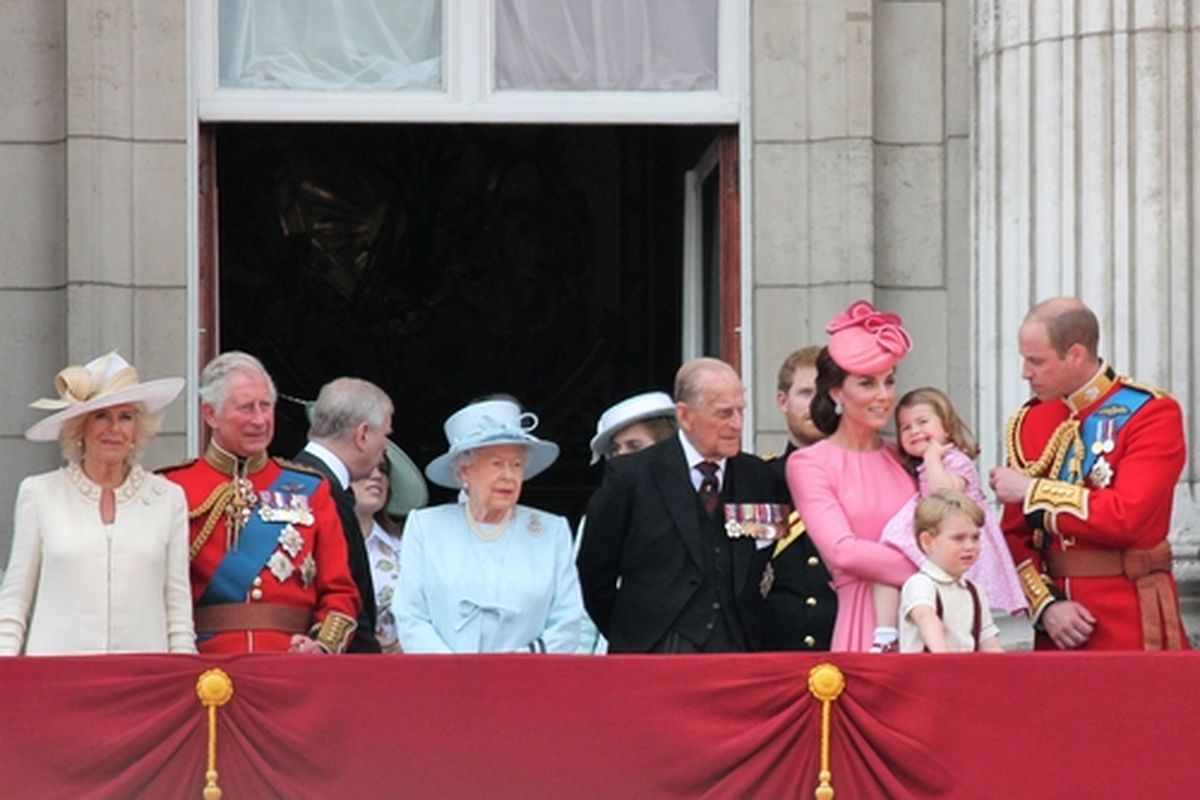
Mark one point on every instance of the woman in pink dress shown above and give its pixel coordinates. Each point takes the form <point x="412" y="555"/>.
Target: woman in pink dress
<point x="849" y="485"/>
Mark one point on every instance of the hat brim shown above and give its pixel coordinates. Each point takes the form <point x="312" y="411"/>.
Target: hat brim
<point x="539" y="456"/>
<point x="602" y="440"/>
<point x="155" y="395"/>
<point x="408" y="489"/>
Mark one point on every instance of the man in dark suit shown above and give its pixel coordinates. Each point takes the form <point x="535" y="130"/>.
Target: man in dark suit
<point x="347" y="436"/>
<point x="659" y="569"/>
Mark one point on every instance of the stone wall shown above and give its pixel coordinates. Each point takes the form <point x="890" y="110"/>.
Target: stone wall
<point x="93" y="213"/>
<point x="861" y="175"/>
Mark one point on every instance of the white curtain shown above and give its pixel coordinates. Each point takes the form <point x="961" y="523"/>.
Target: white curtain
<point x="362" y="45"/>
<point x="663" y="45"/>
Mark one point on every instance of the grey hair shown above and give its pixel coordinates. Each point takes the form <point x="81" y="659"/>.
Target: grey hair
<point x="467" y="457"/>
<point x="344" y="404"/>
<point x="690" y="379"/>
<point x="214" y="380"/>
<point x="70" y="436"/>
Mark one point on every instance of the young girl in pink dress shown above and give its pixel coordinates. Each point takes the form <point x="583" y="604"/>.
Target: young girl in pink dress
<point x="939" y="450"/>
<point x="848" y="485"/>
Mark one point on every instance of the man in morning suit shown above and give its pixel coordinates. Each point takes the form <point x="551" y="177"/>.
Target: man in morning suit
<point x="800" y="607"/>
<point x="269" y="568"/>
<point x="660" y="572"/>
<point x="1093" y="460"/>
<point x="348" y="433"/>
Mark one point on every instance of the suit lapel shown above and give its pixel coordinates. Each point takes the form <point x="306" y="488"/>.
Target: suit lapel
<point x="675" y="485"/>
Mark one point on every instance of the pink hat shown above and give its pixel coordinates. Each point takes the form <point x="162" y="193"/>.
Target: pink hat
<point x="864" y="341"/>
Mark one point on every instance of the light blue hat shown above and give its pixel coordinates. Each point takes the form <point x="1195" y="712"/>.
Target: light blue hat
<point x="487" y="423"/>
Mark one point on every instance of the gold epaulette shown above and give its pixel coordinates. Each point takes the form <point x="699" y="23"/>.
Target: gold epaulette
<point x="769" y="457"/>
<point x="172" y="467"/>
<point x="296" y="466"/>
<point x="334" y="632"/>
<point x="1153" y="391"/>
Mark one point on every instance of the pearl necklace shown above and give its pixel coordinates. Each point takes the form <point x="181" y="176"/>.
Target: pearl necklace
<point x="492" y="532"/>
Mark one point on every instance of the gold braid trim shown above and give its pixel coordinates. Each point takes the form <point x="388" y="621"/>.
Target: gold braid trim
<point x="333" y="634"/>
<point x="1036" y="588"/>
<point x="217" y="501"/>
<point x="1053" y="455"/>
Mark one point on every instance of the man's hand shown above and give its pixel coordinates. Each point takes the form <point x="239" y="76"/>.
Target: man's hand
<point x="1008" y="484"/>
<point x="303" y="644"/>
<point x="1068" y="624"/>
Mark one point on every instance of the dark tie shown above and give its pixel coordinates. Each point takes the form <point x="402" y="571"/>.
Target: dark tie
<point x="710" y="492"/>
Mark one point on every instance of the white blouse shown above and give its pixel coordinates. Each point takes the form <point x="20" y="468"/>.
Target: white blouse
<point x="75" y="585"/>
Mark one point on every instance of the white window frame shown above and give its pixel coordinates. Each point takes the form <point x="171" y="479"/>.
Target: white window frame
<point x="468" y="78"/>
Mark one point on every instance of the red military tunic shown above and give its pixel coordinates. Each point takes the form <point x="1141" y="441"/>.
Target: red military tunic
<point x="312" y="575"/>
<point x="1120" y="508"/>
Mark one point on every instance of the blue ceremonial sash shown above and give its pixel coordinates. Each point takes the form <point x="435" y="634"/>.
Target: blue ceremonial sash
<point x="1118" y="409"/>
<point x="258" y="539"/>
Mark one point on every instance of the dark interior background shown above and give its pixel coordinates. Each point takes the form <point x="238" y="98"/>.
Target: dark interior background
<point x="446" y="262"/>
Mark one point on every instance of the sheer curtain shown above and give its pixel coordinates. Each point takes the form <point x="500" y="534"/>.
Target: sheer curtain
<point x="663" y="45"/>
<point x="363" y="45"/>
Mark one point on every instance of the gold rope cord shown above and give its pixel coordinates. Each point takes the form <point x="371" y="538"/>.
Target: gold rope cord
<point x="217" y="501"/>
<point x="214" y="688"/>
<point x="1049" y="463"/>
<point x="826" y="683"/>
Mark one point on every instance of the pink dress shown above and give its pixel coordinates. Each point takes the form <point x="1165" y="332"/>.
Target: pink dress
<point x="845" y="497"/>
<point x="994" y="570"/>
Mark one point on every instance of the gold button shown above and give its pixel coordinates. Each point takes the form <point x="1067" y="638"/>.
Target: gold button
<point x="256" y="594"/>
<point x="811" y="602"/>
<point x="813" y="561"/>
<point x="809" y="641"/>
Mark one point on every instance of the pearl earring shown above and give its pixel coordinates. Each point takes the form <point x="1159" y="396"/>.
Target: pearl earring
<point x="837" y="407"/>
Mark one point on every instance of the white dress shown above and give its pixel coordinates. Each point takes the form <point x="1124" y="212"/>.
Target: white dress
<point x="75" y="585"/>
<point x="459" y="594"/>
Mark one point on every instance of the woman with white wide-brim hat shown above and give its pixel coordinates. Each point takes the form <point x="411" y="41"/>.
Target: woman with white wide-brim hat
<point x="488" y="575"/>
<point x="99" y="560"/>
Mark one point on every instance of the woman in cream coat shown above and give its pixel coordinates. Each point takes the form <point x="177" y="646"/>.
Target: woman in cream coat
<point x="99" y="560"/>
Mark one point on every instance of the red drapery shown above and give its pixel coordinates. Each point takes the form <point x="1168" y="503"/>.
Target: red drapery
<point x="981" y="726"/>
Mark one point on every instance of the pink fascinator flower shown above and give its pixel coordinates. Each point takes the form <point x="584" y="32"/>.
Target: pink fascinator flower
<point x="864" y="341"/>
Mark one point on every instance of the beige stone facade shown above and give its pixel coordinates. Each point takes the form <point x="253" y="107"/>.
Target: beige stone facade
<point x="953" y="161"/>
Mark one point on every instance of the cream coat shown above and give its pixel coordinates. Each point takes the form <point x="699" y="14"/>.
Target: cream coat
<point x="75" y="585"/>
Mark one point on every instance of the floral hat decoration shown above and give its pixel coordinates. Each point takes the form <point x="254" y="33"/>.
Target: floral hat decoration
<point x="864" y="341"/>
<point x="105" y="381"/>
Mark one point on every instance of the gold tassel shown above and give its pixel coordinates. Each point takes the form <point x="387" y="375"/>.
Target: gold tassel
<point x="214" y="688"/>
<point x="826" y="683"/>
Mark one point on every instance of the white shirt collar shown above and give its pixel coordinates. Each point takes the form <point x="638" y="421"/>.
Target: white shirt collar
<point x="693" y="457"/>
<point x="330" y="459"/>
<point x="938" y="574"/>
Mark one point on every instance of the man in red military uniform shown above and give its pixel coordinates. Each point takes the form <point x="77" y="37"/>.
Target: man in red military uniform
<point x="269" y="565"/>
<point x="1092" y="464"/>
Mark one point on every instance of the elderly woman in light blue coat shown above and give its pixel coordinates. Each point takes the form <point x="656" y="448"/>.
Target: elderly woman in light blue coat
<point x="488" y="575"/>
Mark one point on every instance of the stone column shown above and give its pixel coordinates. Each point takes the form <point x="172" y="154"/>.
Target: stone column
<point x="32" y="232"/>
<point x="1087" y="183"/>
<point x="126" y="180"/>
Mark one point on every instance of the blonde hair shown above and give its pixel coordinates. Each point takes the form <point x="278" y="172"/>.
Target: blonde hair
<point x="960" y="435"/>
<point x="933" y="510"/>
<point x="70" y="437"/>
